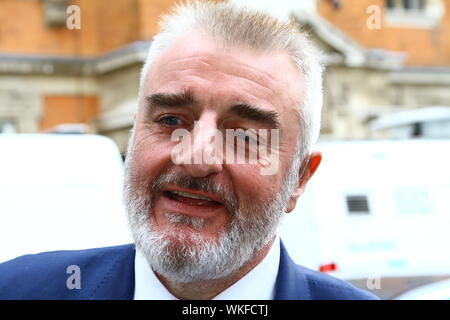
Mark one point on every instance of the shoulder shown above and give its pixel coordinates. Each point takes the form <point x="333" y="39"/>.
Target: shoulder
<point x="300" y="283"/>
<point x="323" y="287"/>
<point x="44" y="275"/>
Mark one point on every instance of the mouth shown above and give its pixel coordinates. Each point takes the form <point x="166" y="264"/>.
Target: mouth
<point x="192" y="198"/>
<point x="190" y="202"/>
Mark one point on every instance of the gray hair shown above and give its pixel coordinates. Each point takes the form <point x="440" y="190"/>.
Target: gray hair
<point x="243" y="27"/>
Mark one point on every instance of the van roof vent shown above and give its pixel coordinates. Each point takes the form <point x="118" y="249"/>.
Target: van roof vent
<point x="357" y="204"/>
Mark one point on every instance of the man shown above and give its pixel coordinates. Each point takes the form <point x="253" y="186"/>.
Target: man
<point x="204" y="220"/>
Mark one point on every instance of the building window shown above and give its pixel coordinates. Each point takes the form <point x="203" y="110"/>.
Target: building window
<point x="417" y="5"/>
<point x="413" y="13"/>
<point x="55" y="13"/>
<point x="405" y="5"/>
<point x="390" y="4"/>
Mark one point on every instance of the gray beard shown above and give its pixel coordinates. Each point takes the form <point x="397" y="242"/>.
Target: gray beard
<point x="188" y="257"/>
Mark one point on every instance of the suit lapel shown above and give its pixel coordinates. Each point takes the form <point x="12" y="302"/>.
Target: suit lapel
<point x="117" y="278"/>
<point x="117" y="281"/>
<point x="291" y="282"/>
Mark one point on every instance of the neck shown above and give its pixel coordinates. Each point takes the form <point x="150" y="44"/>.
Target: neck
<point x="208" y="289"/>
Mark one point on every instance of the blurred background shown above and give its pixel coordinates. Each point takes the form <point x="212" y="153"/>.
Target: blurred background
<point x="72" y="66"/>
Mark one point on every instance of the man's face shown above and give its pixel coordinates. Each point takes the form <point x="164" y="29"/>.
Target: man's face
<point x="197" y="204"/>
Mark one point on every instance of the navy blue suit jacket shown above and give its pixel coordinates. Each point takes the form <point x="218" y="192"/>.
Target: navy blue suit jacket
<point x="108" y="273"/>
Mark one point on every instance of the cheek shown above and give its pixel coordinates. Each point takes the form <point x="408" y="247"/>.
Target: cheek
<point x="251" y="186"/>
<point x="150" y="156"/>
<point x="255" y="188"/>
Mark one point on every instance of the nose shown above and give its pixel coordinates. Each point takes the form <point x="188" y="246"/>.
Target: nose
<point x="205" y="154"/>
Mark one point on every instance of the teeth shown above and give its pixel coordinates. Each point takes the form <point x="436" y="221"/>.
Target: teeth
<point x="188" y="195"/>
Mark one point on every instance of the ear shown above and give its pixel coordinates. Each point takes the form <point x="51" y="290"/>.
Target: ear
<point x="307" y="170"/>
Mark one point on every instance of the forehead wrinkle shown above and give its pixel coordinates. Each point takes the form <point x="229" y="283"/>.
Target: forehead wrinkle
<point x="251" y="93"/>
<point x="261" y="79"/>
<point x="195" y="76"/>
<point x="241" y="94"/>
<point x="278" y="92"/>
<point x="207" y="60"/>
<point x="253" y="75"/>
<point x="194" y="58"/>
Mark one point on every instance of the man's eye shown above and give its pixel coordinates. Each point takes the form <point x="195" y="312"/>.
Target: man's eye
<point x="247" y="137"/>
<point x="170" y="121"/>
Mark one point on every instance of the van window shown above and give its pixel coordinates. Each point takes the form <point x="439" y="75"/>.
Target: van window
<point x="413" y="200"/>
<point x="357" y="204"/>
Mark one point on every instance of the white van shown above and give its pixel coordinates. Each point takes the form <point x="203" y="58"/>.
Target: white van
<point x="59" y="191"/>
<point x="439" y="290"/>
<point x="374" y="211"/>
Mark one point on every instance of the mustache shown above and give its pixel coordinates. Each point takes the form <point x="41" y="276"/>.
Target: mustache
<point x="205" y="184"/>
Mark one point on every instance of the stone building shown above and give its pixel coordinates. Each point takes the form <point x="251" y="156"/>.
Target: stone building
<point x="61" y="63"/>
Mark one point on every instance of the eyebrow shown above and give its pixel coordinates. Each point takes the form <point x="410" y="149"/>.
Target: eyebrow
<point x="253" y="113"/>
<point x="171" y="99"/>
<point x="242" y="110"/>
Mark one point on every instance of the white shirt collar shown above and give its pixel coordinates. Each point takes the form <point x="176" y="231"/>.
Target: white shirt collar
<point x="258" y="284"/>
